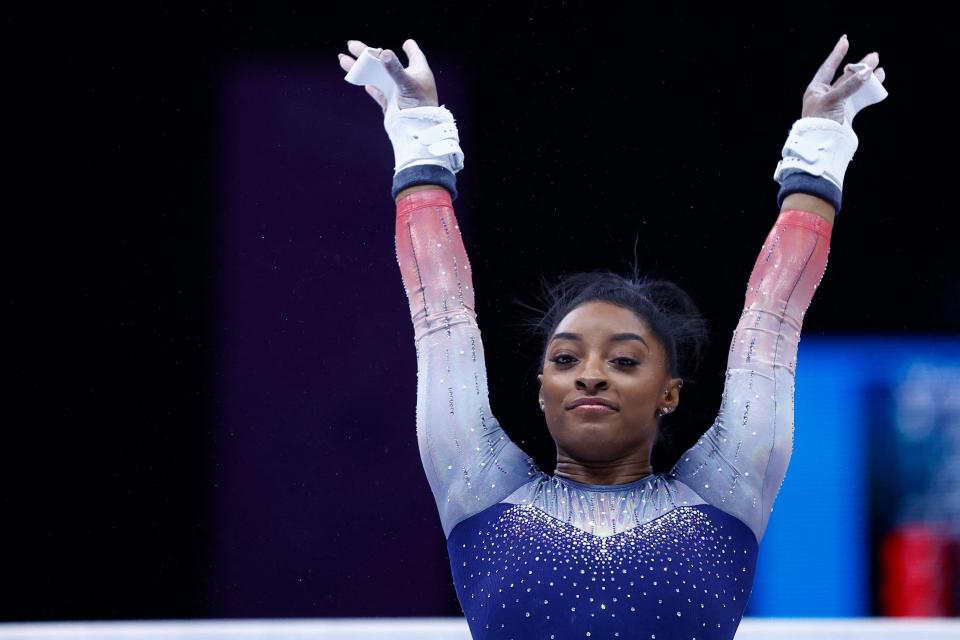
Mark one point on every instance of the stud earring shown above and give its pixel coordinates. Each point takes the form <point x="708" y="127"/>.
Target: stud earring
<point x="541" y="406"/>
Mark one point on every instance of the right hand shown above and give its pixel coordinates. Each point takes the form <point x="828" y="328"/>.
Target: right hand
<point x="415" y="84"/>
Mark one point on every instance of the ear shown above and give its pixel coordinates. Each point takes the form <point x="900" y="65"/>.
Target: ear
<point x="672" y="394"/>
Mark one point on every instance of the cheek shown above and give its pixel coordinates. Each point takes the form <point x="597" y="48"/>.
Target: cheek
<point x="554" y="387"/>
<point x="640" y="401"/>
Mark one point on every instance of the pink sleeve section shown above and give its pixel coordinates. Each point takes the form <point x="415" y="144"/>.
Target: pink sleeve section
<point x="433" y="261"/>
<point x="740" y="462"/>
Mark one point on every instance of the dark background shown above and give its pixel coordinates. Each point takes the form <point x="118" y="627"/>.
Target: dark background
<point x="127" y="492"/>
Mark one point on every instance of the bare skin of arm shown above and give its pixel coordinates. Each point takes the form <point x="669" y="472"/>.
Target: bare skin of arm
<point x="421" y="187"/>
<point x="801" y="201"/>
<point x="806" y="202"/>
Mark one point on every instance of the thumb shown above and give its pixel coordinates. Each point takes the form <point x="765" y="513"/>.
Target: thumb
<point x="394" y="68"/>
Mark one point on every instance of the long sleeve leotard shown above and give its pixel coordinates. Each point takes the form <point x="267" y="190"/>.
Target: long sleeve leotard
<point x="537" y="556"/>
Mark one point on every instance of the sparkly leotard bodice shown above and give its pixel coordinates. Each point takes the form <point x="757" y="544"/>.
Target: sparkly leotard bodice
<point x="667" y="556"/>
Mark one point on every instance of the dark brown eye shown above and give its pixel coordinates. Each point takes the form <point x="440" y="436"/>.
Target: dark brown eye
<point x="556" y="359"/>
<point x="628" y="362"/>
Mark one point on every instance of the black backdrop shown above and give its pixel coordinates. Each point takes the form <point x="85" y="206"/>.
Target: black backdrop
<point x="586" y="126"/>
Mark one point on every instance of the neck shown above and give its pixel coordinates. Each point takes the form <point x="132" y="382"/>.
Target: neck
<point x="619" y="471"/>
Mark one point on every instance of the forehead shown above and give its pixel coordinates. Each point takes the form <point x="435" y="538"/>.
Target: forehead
<point x="602" y="318"/>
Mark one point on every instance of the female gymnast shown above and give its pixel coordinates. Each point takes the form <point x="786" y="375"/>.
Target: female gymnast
<point x="605" y="547"/>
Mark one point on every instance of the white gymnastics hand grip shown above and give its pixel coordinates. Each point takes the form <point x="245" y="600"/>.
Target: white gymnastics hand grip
<point x="369" y="69"/>
<point x="871" y="92"/>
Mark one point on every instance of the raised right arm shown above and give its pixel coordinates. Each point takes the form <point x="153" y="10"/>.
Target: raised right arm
<point x="469" y="461"/>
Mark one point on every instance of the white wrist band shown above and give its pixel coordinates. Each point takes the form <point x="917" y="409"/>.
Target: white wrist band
<point x="820" y="147"/>
<point x="423" y="135"/>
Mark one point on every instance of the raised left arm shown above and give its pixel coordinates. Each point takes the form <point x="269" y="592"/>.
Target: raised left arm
<point x="740" y="462"/>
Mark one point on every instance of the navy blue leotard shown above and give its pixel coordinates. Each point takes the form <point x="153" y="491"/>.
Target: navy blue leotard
<point x="537" y="556"/>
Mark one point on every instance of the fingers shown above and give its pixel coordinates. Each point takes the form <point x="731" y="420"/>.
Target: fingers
<point x="880" y="73"/>
<point x="414" y="54"/>
<point x="828" y="69"/>
<point x="869" y="61"/>
<point x="394" y="68"/>
<point x="856" y="75"/>
<point x="355" y="47"/>
<point x="848" y="85"/>
<point x="389" y="58"/>
<point x="346" y="63"/>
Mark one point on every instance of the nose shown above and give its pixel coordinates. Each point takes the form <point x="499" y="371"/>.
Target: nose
<point x="591" y="377"/>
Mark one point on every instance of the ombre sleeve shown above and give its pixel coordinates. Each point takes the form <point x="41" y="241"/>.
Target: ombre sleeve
<point x="740" y="462"/>
<point x="469" y="461"/>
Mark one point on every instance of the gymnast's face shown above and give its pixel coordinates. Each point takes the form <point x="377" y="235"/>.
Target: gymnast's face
<point x="602" y="350"/>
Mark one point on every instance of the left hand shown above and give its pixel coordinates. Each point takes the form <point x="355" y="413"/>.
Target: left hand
<point x="825" y="98"/>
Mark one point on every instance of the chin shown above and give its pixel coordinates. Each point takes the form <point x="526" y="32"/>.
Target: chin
<point x="591" y="436"/>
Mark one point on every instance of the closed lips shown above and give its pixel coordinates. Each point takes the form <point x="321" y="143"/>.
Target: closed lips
<point x="591" y="400"/>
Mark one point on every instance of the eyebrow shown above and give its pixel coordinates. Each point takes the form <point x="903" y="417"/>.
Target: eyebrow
<point x="617" y="337"/>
